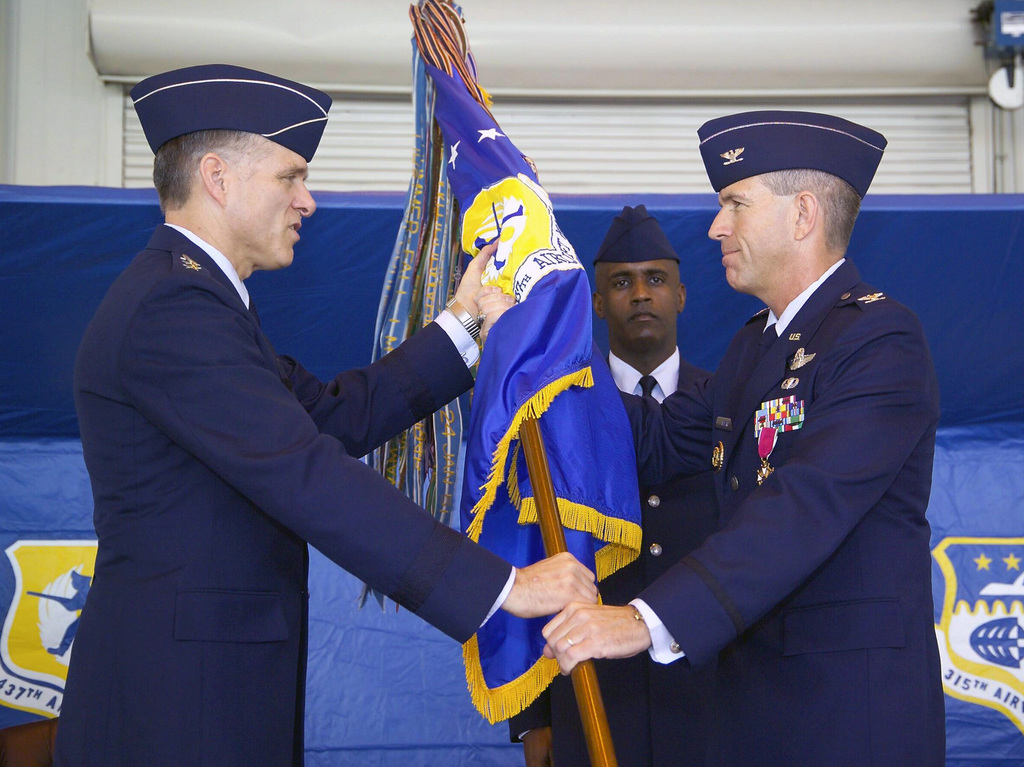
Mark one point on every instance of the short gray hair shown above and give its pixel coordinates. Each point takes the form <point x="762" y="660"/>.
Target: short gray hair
<point x="174" y="169"/>
<point x="840" y="203"/>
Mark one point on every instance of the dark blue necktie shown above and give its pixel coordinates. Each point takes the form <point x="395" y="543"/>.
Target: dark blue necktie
<point x="768" y="337"/>
<point x="647" y="384"/>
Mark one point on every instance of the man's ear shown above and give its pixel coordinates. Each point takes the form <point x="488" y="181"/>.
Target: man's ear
<point x="682" y="298"/>
<point x="213" y="172"/>
<point x="808" y="215"/>
<point x="598" y="305"/>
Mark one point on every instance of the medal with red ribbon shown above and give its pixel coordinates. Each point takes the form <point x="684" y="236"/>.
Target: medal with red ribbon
<point x="774" y="416"/>
<point x="765" y="444"/>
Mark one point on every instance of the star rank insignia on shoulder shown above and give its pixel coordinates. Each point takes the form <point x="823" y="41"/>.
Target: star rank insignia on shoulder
<point x="188" y="263"/>
<point x="872" y="297"/>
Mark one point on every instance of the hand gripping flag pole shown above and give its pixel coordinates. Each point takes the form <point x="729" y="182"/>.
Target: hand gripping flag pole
<point x="538" y="373"/>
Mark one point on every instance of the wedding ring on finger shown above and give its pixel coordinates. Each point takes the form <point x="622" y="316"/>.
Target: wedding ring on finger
<point x="569" y="640"/>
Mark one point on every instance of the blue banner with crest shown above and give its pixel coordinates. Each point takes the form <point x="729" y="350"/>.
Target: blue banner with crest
<point x="538" y="363"/>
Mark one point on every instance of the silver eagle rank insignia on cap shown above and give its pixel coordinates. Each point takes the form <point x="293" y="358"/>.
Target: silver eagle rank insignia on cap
<point x="733" y="155"/>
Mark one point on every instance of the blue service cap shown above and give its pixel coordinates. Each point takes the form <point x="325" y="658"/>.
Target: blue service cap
<point x="751" y="143"/>
<point x="635" y="236"/>
<point x="226" y="97"/>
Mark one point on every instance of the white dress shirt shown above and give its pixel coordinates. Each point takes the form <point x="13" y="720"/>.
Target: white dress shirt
<point x="782" y="321"/>
<point x="627" y="378"/>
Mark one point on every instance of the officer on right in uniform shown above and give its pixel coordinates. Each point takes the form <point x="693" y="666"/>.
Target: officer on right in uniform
<point x="815" y="594"/>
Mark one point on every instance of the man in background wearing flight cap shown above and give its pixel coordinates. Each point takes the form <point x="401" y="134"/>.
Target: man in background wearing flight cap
<point x="651" y="707"/>
<point x="214" y="461"/>
<point x="815" y="595"/>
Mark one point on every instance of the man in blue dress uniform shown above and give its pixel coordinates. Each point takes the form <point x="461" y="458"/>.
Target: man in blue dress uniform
<point x="651" y="707"/>
<point x="214" y="461"/>
<point x="815" y="594"/>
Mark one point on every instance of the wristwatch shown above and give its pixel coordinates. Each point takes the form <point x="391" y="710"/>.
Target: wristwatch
<point x="467" y="320"/>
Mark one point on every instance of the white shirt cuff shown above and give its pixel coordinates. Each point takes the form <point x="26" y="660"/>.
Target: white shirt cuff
<point x="502" y="596"/>
<point x="663" y="649"/>
<point x="464" y="343"/>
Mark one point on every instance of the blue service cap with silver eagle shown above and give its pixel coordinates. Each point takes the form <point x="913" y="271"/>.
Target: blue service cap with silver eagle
<point x="751" y="143"/>
<point x="635" y="235"/>
<point x="226" y="97"/>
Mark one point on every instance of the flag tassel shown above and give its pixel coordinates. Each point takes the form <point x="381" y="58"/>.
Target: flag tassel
<point x="584" y="676"/>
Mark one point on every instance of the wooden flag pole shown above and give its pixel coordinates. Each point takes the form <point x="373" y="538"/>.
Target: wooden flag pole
<point x="584" y="676"/>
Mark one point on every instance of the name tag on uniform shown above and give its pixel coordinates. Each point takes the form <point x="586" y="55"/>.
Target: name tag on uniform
<point x="723" y="423"/>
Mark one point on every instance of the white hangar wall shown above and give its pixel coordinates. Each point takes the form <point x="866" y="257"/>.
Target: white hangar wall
<point x="605" y="96"/>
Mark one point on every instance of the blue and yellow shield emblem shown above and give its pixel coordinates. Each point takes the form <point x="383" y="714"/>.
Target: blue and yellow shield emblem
<point x="51" y="582"/>
<point x="981" y="631"/>
<point x="516" y="212"/>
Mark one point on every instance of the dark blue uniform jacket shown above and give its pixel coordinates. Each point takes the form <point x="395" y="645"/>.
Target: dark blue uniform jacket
<point x="815" y="596"/>
<point x="213" y="462"/>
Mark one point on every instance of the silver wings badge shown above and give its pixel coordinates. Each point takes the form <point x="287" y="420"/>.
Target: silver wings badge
<point x="800" y="359"/>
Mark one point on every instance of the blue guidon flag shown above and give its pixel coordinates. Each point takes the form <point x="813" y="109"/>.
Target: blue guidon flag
<point x="537" y="364"/>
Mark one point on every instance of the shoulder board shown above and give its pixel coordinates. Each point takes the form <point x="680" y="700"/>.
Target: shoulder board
<point x="861" y="297"/>
<point x="759" y="315"/>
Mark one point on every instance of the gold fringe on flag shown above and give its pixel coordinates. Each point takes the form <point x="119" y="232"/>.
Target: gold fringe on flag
<point x="510" y="699"/>
<point x="534" y="407"/>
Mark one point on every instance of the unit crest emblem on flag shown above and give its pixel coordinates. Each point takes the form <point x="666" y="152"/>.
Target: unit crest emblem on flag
<point x="981" y="630"/>
<point x="517" y="212"/>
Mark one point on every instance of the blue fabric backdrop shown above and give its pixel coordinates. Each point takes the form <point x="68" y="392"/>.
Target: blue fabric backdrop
<point x="384" y="688"/>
